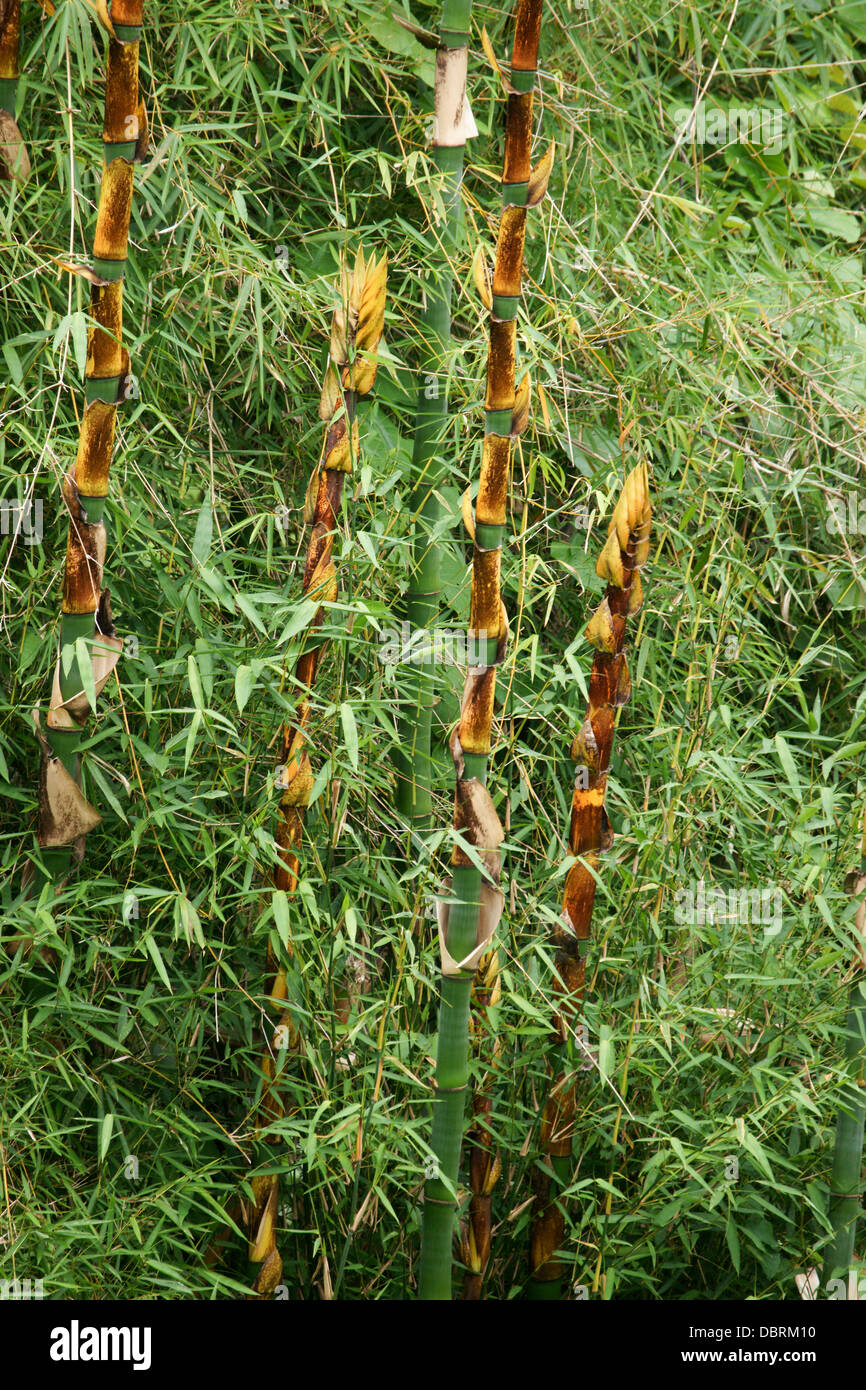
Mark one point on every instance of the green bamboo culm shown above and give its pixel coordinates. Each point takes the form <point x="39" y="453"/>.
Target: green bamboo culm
<point x="453" y="125"/>
<point x="89" y="645"/>
<point x="846" y="1179"/>
<point x="14" y="160"/>
<point x="468" y="916"/>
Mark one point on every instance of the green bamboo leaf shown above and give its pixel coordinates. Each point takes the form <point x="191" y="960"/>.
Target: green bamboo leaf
<point x="244" y="683"/>
<point x="606" y="1051"/>
<point x="249" y="611"/>
<point x="203" y="532"/>
<point x="105" y="1134"/>
<point x="105" y="787"/>
<point x="195" y="685"/>
<point x="307" y="894"/>
<point x="351" y="919"/>
<point x="195" y="725"/>
<point x="369" y="547"/>
<point x="320" y="781"/>
<point x="350" y="733"/>
<point x="385" y="172"/>
<point x="13" y="362"/>
<point x="750" y="1143"/>
<point x="303" y="614"/>
<point x="85" y="669"/>
<point x="280" y="906"/>
<point x="187" y="919"/>
<point x="218" y="587"/>
<point x="789" y="767"/>
<point x="529" y="1009"/>
<point x="156" y="956"/>
<point x="830" y="220"/>
<point x="733" y="1241"/>
<point x="78" y="331"/>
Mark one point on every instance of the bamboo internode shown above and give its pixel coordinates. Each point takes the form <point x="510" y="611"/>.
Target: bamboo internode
<point x="356" y="331"/>
<point x="625" y="551"/>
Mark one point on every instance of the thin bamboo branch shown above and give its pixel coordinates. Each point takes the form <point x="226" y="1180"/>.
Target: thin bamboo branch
<point x="625" y="552"/>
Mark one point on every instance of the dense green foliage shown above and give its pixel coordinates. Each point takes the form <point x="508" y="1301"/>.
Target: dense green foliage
<point x="703" y="303"/>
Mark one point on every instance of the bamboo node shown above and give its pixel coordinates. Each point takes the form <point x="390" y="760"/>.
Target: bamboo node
<point x="82" y="269"/>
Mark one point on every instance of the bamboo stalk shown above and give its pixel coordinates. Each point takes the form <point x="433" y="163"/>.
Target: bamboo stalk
<point x="453" y="125"/>
<point x="355" y="334"/>
<point x="14" y="159"/>
<point x="89" y="645"/>
<point x="625" y="551"/>
<point x="846" y="1182"/>
<point x="522" y="187"/>
<point x="467" y="921"/>
<point x="483" y="1162"/>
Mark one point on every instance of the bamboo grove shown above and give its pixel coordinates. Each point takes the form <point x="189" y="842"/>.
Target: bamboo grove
<point x="499" y="1166"/>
